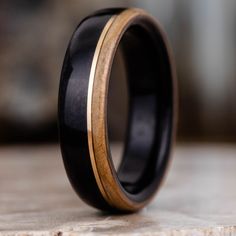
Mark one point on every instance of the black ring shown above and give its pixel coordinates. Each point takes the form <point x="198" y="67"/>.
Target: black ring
<point x="150" y="131"/>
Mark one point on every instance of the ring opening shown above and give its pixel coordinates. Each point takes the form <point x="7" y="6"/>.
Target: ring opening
<point x="150" y="102"/>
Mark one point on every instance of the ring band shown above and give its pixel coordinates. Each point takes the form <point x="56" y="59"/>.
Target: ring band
<point x="82" y="109"/>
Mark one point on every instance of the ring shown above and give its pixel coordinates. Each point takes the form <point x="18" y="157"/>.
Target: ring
<point x="82" y="109"/>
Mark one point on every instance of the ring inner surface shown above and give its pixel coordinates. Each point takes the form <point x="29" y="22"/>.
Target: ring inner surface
<point x="149" y="128"/>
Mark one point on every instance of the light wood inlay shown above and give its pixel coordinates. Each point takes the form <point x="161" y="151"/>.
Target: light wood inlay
<point x="97" y="110"/>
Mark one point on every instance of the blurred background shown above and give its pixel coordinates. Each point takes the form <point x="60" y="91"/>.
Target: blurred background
<point x="34" y="36"/>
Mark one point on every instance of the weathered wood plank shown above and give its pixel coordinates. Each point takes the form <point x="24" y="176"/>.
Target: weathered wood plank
<point x="198" y="197"/>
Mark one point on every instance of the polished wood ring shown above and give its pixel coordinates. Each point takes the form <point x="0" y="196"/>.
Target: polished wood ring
<point x="82" y="107"/>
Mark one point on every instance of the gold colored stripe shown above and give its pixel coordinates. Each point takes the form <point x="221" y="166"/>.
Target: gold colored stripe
<point x="89" y="106"/>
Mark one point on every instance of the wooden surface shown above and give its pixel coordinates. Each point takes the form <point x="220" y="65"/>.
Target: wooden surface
<point x="198" y="197"/>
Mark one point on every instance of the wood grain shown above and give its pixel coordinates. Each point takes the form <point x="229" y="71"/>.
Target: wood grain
<point x="99" y="149"/>
<point x="198" y="197"/>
